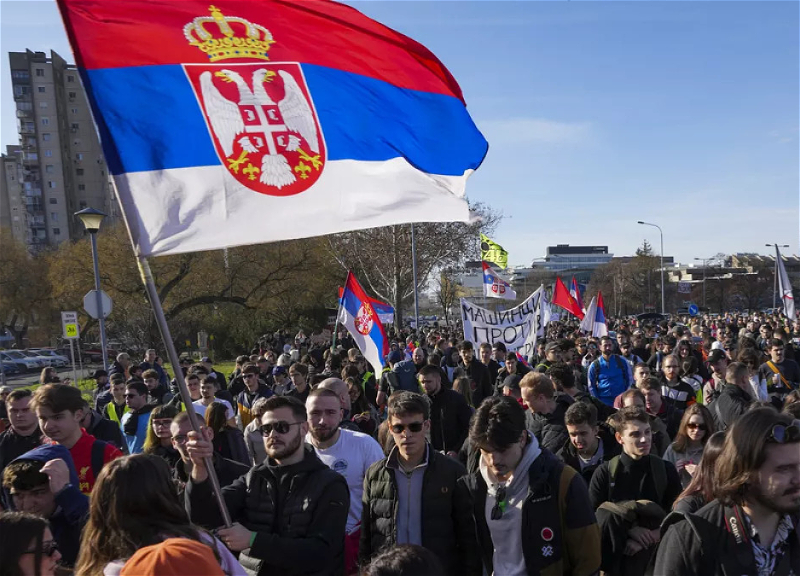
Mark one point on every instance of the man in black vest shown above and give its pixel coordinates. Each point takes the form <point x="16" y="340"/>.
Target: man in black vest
<point x="289" y="513"/>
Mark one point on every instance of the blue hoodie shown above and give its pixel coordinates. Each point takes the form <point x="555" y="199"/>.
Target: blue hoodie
<point x="72" y="507"/>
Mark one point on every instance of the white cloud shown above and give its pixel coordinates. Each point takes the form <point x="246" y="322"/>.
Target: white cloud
<point x="535" y="130"/>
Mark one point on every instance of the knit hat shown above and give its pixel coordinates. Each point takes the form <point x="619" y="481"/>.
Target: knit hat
<point x="173" y="557"/>
<point x="396" y="356"/>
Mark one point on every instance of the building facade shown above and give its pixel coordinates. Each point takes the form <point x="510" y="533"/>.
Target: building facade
<point x="60" y="164"/>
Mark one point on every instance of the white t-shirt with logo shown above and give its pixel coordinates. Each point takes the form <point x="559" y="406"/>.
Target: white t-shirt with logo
<point x="201" y="408"/>
<point x="351" y="456"/>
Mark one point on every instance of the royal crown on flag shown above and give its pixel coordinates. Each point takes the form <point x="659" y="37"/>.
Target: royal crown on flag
<point x="234" y="37"/>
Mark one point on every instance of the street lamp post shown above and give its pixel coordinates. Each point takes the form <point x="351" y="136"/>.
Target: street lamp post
<point x="775" y="284"/>
<point x="705" y="263"/>
<point x="91" y="220"/>
<point x="661" y="233"/>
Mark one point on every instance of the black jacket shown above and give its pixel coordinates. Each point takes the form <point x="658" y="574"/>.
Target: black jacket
<point x="574" y="536"/>
<point x="549" y="429"/>
<point x="611" y="448"/>
<point x="450" y="416"/>
<point x="702" y="544"/>
<point x="604" y="411"/>
<point x="299" y="513"/>
<point x="12" y="445"/>
<point x="107" y="431"/>
<point x="634" y="481"/>
<point x="480" y="383"/>
<point x="731" y="403"/>
<point x="447" y="528"/>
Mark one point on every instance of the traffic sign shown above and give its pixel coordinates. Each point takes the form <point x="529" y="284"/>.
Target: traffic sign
<point x="69" y="325"/>
<point x="90" y="303"/>
<point x="693" y="310"/>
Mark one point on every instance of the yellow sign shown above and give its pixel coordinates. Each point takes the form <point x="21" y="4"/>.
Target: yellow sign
<point x="69" y="325"/>
<point x="71" y="330"/>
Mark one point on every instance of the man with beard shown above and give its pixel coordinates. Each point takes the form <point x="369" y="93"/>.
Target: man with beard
<point x="289" y="513"/>
<point x="344" y="451"/>
<point x="751" y="527"/>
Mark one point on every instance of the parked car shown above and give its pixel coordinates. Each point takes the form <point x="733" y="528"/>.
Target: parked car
<point x="10" y="368"/>
<point x="94" y="352"/>
<point x="23" y="362"/>
<point x="56" y="360"/>
<point x="45" y="360"/>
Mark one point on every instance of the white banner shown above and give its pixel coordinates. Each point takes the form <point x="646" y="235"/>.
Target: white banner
<point x="516" y="327"/>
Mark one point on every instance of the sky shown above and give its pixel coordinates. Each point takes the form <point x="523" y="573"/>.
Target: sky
<point x="598" y="114"/>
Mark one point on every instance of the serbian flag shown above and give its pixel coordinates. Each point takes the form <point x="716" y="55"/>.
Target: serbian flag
<point x="575" y="292"/>
<point x="357" y="314"/>
<point x="600" y="324"/>
<point x="385" y="311"/>
<point x="562" y="297"/>
<point x="494" y="286"/>
<point x="784" y="286"/>
<point x="231" y="122"/>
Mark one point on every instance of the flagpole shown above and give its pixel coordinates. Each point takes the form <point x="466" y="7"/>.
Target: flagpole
<point x="414" y="268"/>
<point x="338" y="311"/>
<point x="775" y="271"/>
<point x="172" y="354"/>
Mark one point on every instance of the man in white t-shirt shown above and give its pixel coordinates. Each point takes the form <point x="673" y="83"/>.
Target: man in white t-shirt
<point x="344" y="451"/>
<point x="209" y="387"/>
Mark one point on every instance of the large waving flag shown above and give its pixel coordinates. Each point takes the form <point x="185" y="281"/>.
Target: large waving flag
<point x="492" y="252"/>
<point x="600" y="323"/>
<point x="228" y="123"/>
<point x="494" y="286"/>
<point x="562" y="297"/>
<point x="575" y="292"/>
<point x="385" y="311"/>
<point x="784" y="286"/>
<point x="357" y="314"/>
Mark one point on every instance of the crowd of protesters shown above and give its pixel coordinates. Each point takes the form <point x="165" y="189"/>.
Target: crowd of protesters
<point x="666" y="447"/>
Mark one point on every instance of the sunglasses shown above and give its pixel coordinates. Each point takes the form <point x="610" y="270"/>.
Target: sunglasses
<point x="413" y="427"/>
<point x="131" y="395"/>
<point x="783" y="434"/>
<point x="48" y="549"/>
<point x="281" y="427"/>
<point x="499" y="503"/>
<point x="694" y="426"/>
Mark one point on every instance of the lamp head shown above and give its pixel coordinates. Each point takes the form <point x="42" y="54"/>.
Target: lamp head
<point x="91" y="219"/>
<point x="639" y="222"/>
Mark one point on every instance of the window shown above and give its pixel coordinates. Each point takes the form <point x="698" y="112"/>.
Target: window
<point x="57" y="231"/>
<point x="79" y="156"/>
<point x="49" y="169"/>
<point x="79" y="171"/>
<point x="72" y="94"/>
<point x="83" y="204"/>
<point x="74" y="110"/>
<point x="40" y="71"/>
<point x="54" y="216"/>
<point x="20" y="74"/>
<point x="53" y="200"/>
<point x="48" y="153"/>
<point x="74" y="126"/>
<point x="21" y="90"/>
<point x="45" y="136"/>
<point x="24" y="106"/>
<point x="42" y="104"/>
<point x="41" y="89"/>
<point x="51" y="184"/>
<point x="70" y="78"/>
<point x="81" y="187"/>
<point x="45" y="121"/>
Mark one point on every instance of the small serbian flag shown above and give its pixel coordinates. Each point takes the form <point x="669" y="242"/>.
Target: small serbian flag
<point x="358" y="315"/>
<point x="575" y="292"/>
<point x="494" y="286"/>
<point x="232" y="122"/>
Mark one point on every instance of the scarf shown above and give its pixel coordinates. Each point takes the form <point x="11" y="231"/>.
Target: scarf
<point x="131" y="425"/>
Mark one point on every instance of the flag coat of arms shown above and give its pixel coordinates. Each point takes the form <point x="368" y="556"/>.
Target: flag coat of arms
<point x="358" y="315"/>
<point x="385" y="311"/>
<point x="240" y="122"/>
<point x="494" y="286"/>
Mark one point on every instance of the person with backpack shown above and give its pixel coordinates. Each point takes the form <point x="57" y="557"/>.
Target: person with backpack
<point x="402" y="375"/>
<point x="59" y="408"/>
<point x="752" y="525"/>
<point x="610" y="375"/>
<point x="532" y="513"/>
<point x="632" y="494"/>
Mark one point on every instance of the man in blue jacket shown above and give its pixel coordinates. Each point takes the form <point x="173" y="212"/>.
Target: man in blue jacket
<point x="44" y="482"/>
<point x="610" y="375"/>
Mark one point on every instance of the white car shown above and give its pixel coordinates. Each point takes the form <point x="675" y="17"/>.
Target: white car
<point x="24" y="362"/>
<point x="56" y="360"/>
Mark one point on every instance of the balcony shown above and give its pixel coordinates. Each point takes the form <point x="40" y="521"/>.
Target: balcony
<point x="30" y="157"/>
<point x="27" y="129"/>
<point x="24" y="113"/>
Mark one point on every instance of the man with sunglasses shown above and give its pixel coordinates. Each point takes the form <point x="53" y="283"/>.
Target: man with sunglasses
<point x="752" y="525"/>
<point x="531" y="512"/>
<point x="413" y="495"/>
<point x="289" y="513"/>
<point x="136" y="421"/>
<point x="255" y="388"/>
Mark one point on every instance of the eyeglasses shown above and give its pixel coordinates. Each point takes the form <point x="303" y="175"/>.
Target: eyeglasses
<point x="281" y="427"/>
<point x="48" y="549"/>
<point x="499" y="503"/>
<point x="131" y="395"/>
<point x="783" y="434"/>
<point x="413" y="427"/>
<point x="695" y="426"/>
<point x="162" y="422"/>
